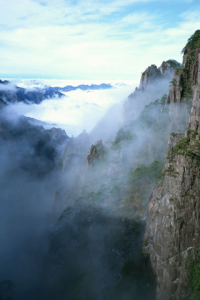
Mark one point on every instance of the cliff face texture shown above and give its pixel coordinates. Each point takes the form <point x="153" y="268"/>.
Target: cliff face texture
<point x="172" y="236"/>
<point x="154" y="83"/>
<point x="153" y="73"/>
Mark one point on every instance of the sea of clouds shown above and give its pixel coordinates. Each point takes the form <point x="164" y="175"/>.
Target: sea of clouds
<point x="79" y="110"/>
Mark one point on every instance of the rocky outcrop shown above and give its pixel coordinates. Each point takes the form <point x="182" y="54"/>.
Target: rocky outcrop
<point x="154" y="83"/>
<point x="96" y="152"/>
<point x="75" y="151"/>
<point x="58" y="136"/>
<point x="173" y="220"/>
<point x="152" y="73"/>
<point x="185" y="77"/>
<point x="149" y="75"/>
<point x="195" y="112"/>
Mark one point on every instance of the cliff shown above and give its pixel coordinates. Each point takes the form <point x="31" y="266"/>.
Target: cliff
<point x="75" y="151"/>
<point x="154" y="83"/>
<point x="97" y="152"/>
<point x="173" y="220"/>
<point x="96" y="221"/>
<point x="97" y="239"/>
<point x="152" y="73"/>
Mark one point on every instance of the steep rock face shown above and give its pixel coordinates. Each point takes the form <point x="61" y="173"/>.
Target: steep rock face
<point x="149" y="75"/>
<point x="173" y="220"/>
<point x="58" y="136"/>
<point x="152" y="73"/>
<point x="184" y="80"/>
<point x="154" y="84"/>
<point x="195" y="112"/>
<point x="96" y="152"/>
<point x="75" y="151"/>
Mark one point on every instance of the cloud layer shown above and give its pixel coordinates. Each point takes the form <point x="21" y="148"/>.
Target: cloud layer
<point x="78" y="111"/>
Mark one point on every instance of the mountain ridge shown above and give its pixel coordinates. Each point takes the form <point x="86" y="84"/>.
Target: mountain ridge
<point x="172" y="228"/>
<point x="12" y="94"/>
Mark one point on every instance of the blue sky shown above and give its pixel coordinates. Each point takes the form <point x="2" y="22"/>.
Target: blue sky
<point x="92" y="39"/>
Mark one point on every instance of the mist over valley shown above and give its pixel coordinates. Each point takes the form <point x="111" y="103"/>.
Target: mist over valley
<point x="99" y="150"/>
<point x="75" y="207"/>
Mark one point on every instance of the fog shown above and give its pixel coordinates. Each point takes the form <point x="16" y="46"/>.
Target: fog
<point x="72" y="222"/>
<point x="8" y="87"/>
<point x="41" y="82"/>
<point x="77" y="111"/>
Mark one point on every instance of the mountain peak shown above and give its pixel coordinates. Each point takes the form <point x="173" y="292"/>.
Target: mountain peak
<point x="153" y="72"/>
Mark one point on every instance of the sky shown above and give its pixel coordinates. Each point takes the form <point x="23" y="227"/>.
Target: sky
<point x="92" y="39"/>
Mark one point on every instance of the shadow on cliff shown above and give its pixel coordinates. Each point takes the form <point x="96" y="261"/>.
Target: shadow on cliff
<point x="93" y="255"/>
<point x="28" y="179"/>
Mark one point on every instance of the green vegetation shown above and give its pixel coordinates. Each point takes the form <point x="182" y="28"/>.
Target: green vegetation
<point x="129" y="190"/>
<point x="154" y="123"/>
<point x="181" y="146"/>
<point x="123" y="135"/>
<point x="173" y="63"/>
<point x="188" y="146"/>
<point x="133" y="192"/>
<point x="154" y="170"/>
<point x="173" y="134"/>
<point x="173" y="81"/>
<point x="155" y="117"/>
<point x="193" y="269"/>
<point x="193" y="42"/>
<point x="192" y="133"/>
<point x="146" y="241"/>
<point x="179" y="70"/>
<point x="185" y="73"/>
<point x="151" y="113"/>
<point x="186" y="84"/>
<point x="163" y="99"/>
<point x="140" y="184"/>
<point x="125" y="189"/>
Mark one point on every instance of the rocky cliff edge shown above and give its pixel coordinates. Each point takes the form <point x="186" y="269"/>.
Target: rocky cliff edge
<point x="172" y="236"/>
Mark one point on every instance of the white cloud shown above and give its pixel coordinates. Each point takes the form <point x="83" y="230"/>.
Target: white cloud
<point x="80" y="110"/>
<point x="8" y="87"/>
<point x="80" y="41"/>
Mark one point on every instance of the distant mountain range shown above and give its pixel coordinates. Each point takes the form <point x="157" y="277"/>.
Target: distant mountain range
<point x="11" y="93"/>
<point x="84" y="87"/>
